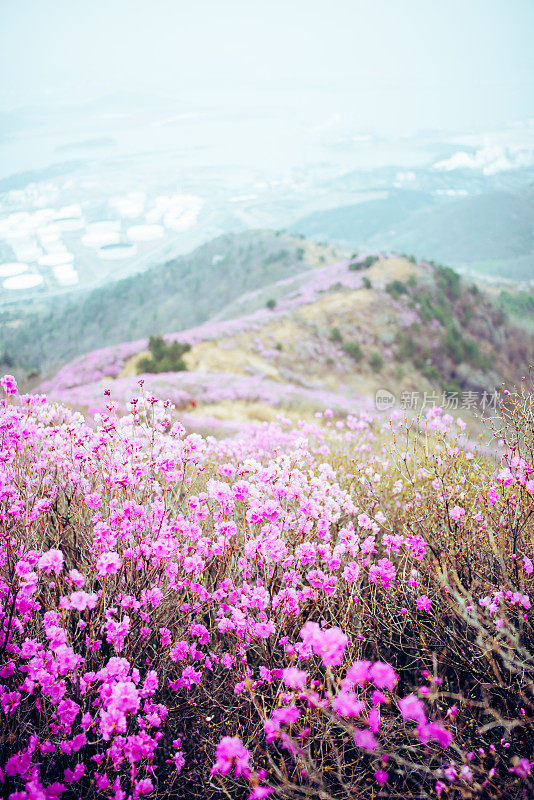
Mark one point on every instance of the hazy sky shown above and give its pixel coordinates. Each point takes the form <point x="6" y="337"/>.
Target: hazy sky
<point x="409" y="64"/>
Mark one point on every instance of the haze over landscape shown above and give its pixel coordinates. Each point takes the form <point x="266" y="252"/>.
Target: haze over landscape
<point x="266" y="453"/>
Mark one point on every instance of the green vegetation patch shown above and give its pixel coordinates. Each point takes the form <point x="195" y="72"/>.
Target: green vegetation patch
<point x="353" y="350"/>
<point x="163" y="357"/>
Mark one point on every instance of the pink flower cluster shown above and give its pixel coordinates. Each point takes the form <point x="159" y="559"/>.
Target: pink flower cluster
<point x="143" y="569"/>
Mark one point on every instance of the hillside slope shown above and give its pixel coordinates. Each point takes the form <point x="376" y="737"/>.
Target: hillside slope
<point x="179" y="294"/>
<point x="335" y="337"/>
<point x="359" y="224"/>
<point x="491" y="233"/>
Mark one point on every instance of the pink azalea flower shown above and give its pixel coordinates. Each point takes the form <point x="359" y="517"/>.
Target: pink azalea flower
<point x="457" y="513"/>
<point x="365" y="739"/>
<point x="108" y="564"/>
<point x="125" y="697"/>
<point x="231" y="752"/>
<point x="423" y="603"/>
<point x="383" y="573"/>
<point x="358" y="674"/>
<point x="294" y="678"/>
<point x="412" y="708"/>
<point x="9" y="385"/>
<point x="333" y="646"/>
<point x="347" y="704"/>
<point x="383" y="675"/>
<point x="51" y="561"/>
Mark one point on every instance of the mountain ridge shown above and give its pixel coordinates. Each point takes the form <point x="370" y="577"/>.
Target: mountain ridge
<point x="342" y="334"/>
<point x="490" y="233"/>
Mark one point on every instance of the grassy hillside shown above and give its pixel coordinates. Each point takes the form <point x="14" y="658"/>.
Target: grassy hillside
<point x="334" y="338"/>
<point x="176" y="295"/>
<point x="491" y="233"/>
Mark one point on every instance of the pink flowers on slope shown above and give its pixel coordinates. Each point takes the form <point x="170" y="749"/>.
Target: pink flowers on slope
<point x="169" y="599"/>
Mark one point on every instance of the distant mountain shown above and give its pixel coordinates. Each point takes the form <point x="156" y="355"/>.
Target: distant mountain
<point x="178" y="294"/>
<point x="358" y="225"/>
<point x="491" y="233"/>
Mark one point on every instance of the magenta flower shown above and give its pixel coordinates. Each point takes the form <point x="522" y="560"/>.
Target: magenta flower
<point x="457" y="513"/>
<point x="347" y="704"/>
<point x="144" y="786"/>
<point x="111" y="722"/>
<point x="383" y="573"/>
<point x="412" y="708"/>
<point x="9" y="384"/>
<point x="108" y="564"/>
<point x="523" y="768"/>
<point x="125" y="697"/>
<point x="82" y="600"/>
<point x="51" y="561"/>
<point x="231" y="752"/>
<point x="260" y="793"/>
<point x="358" y="674"/>
<point x="365" y="739"/>
<point x="333" y="646"/>
<point x="423" y="603"/>
<point x="295" y="678"/>
<point x="383" y="675"/>
<point x="434" y="731"/>
<point x="311" y="634"/>
<point x="287" y="714"/>
<point x="93" y="500"/>
<point x="381" y="776"/>
<point x="67" y="712"/>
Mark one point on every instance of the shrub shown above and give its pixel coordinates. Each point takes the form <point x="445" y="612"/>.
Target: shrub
<point x="467" y="315"/>
<point x="396" y="288"/>
<point x="335" y="335"/>
<point x="449" y="280"/>
<point x="406" y="347"/>
<point x="164" y="357"/>
<point x="432" y="373"/>
<point x="367" y="262"/>
<point x="453" y="344"/>
<point x="276" y="257"/>
<point x="376" y="362"/>
<point x="460" y="349"/>
<point x="353" y="350"/>
<point x="270" y="304"/>
<point x="366" y="282"/>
